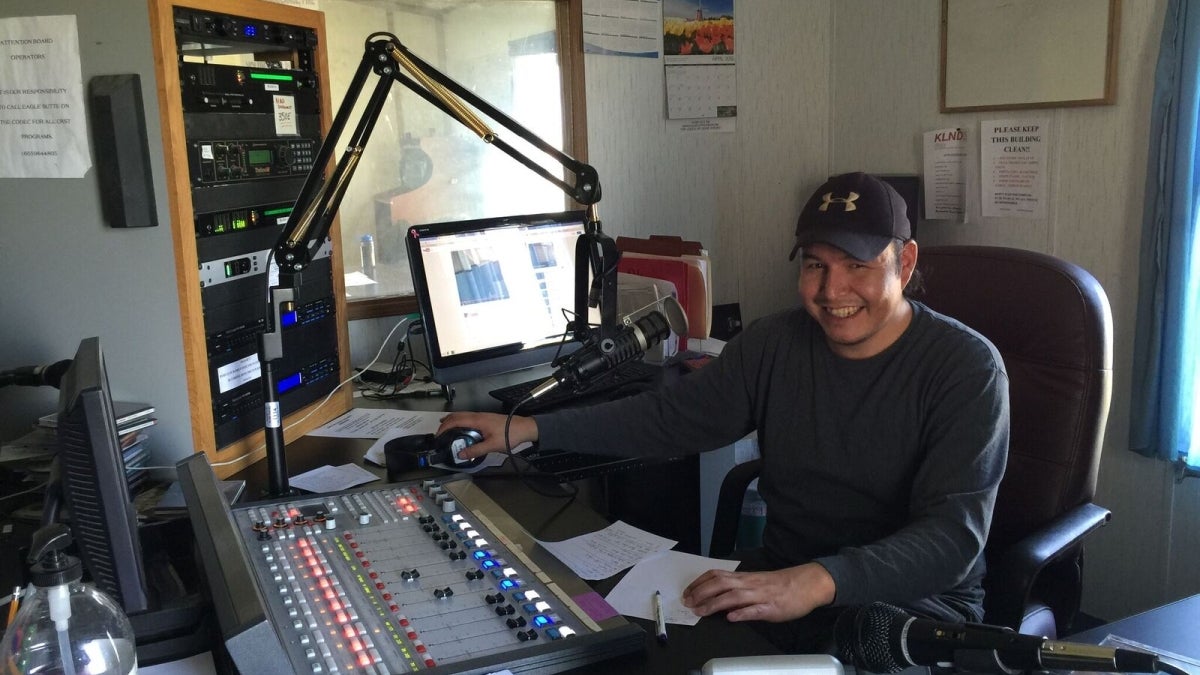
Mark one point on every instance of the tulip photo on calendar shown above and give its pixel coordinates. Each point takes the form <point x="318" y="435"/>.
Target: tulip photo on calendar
<point x="697" y="27"/>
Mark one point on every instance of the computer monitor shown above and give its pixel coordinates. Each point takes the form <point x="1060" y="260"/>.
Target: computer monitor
<point x="493" y="291"/>
<point x="103" y="519"/>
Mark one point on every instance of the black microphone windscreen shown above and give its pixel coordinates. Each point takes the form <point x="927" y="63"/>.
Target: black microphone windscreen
<point x="862" y="637"/>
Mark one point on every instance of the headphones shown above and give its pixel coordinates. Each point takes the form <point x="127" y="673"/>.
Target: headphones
<point x="421" y="451"/>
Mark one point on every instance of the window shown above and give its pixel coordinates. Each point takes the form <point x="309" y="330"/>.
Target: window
<point x="421" y="166"/>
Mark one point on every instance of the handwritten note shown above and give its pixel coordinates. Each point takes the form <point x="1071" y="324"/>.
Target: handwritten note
<point x="601" y="554"/>
<point x="668" y="573"/>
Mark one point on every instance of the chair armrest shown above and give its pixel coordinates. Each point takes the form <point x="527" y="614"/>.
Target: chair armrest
<point x="1012" y="572"/>
<point x="729" y="507"/>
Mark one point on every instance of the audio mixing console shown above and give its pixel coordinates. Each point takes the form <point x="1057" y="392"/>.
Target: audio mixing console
<point x="421" y="576"/>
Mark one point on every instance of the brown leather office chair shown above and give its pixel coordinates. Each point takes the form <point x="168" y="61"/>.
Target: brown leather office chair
<point x="1051" y="321"/>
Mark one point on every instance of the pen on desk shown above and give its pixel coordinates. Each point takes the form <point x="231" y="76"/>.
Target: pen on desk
<point x="660" y="618"/>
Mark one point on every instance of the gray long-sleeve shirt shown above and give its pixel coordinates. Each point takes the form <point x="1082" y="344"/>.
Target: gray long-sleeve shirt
<point x="883" y="470"/>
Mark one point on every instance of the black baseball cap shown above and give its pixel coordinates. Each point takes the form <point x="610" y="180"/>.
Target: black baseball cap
<point x="855" y="212"/>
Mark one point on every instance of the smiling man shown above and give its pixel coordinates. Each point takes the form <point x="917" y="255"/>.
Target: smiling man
<point x="883" y="429"/>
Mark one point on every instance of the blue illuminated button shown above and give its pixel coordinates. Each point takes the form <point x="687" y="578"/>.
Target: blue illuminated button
<point x="541" y="620"/>
<point x="481" y="554"/>
<point x="509" y="584"/>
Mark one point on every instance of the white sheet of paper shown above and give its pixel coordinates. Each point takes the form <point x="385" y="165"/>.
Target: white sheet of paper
<point x="380" y="422"/>
<point x="669" y="573"/>
<point x="603" y="553"/>
<point x="43" y="128"/>
<point x="332" y="478"/>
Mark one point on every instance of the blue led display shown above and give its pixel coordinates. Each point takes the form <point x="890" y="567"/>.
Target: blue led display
<point x="290" y="382"/>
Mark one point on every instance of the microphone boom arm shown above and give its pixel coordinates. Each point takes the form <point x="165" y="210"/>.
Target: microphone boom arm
<point x="317" y="204"/>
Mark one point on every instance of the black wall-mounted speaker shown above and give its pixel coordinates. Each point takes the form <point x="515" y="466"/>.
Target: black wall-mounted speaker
<point x="121" y="150"/>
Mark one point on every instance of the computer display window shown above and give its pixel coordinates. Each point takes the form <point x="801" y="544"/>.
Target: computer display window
<point x="500" y="287"/>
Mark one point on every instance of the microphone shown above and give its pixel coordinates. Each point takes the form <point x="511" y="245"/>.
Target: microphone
<point x="882" y="638"/>
<point x="631" y="342"/>
<point x="36" y="376"/>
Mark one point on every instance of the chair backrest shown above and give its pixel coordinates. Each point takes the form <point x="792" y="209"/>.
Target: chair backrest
<point x="1051" y="322"/>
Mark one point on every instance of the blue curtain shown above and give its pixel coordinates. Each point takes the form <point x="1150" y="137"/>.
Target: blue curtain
<point x="1167" y="341"/>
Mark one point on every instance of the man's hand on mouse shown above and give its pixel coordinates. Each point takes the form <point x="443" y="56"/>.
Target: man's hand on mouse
<point x="491" y="425"/>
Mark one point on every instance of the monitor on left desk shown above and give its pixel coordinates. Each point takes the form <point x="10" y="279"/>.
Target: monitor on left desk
<point x="103" y="518"/>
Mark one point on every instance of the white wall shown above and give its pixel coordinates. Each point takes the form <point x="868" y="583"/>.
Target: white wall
<point x="66" y="275"/>
<point x="737" y="193"/>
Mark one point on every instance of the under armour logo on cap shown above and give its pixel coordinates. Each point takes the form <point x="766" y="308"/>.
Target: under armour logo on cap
<point x="848" y="201"/>
<point x="872" y="215"/>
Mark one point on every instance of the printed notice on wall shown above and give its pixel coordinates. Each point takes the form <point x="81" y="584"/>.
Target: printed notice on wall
<point x="1012" y="157"/>
<point x="700" y="67"/>
<point x="43" y="128"/>
<point x="945" y="183"/>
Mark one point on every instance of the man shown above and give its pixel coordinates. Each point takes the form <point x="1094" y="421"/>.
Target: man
<point x="883" y="428"/>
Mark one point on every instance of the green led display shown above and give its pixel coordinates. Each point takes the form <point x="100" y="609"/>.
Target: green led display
<point x="271" y="76"/>
<point x="258" y="157"/>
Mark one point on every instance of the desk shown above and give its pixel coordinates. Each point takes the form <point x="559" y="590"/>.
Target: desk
<point x="1171" y="628"/>
<point x="544" y="518"/>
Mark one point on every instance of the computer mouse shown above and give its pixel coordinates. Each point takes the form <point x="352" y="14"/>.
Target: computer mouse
<point x="457" y="439"/>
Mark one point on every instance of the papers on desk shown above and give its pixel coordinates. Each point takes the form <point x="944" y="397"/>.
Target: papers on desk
<point x="384" y="424"/>
<point x="603" y="553"/>
<point x="332" y="478"/>
<point x="669" y="573"/>
<point x="379" y="422"/>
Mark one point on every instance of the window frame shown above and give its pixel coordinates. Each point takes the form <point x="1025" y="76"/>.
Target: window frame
<point x="569" y="34"/>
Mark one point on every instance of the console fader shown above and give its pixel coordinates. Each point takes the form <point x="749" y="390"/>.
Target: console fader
<point x="409" y="577"/>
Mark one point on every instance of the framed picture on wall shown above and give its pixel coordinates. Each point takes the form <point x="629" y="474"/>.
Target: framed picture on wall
<point x="1028" y="54"/>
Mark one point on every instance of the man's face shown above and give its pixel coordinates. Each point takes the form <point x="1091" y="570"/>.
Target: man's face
<point x="859" y="304"/>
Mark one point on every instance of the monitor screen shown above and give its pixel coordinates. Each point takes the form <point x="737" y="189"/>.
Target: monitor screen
<point x="492" y="292"/>
<point x="95" y="488"/>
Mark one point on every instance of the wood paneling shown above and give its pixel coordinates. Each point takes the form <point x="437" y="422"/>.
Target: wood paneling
<point x="238" y="454"/>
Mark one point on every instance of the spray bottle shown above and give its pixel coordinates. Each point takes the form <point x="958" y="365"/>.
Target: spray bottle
<point x="65" y="626"/>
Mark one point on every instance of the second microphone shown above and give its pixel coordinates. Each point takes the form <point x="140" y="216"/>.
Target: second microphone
<point x="631" y="342"/>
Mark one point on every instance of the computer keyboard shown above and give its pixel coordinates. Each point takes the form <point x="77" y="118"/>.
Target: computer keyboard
<point x="570" y="466"/>
<point x="626" y="375"/>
